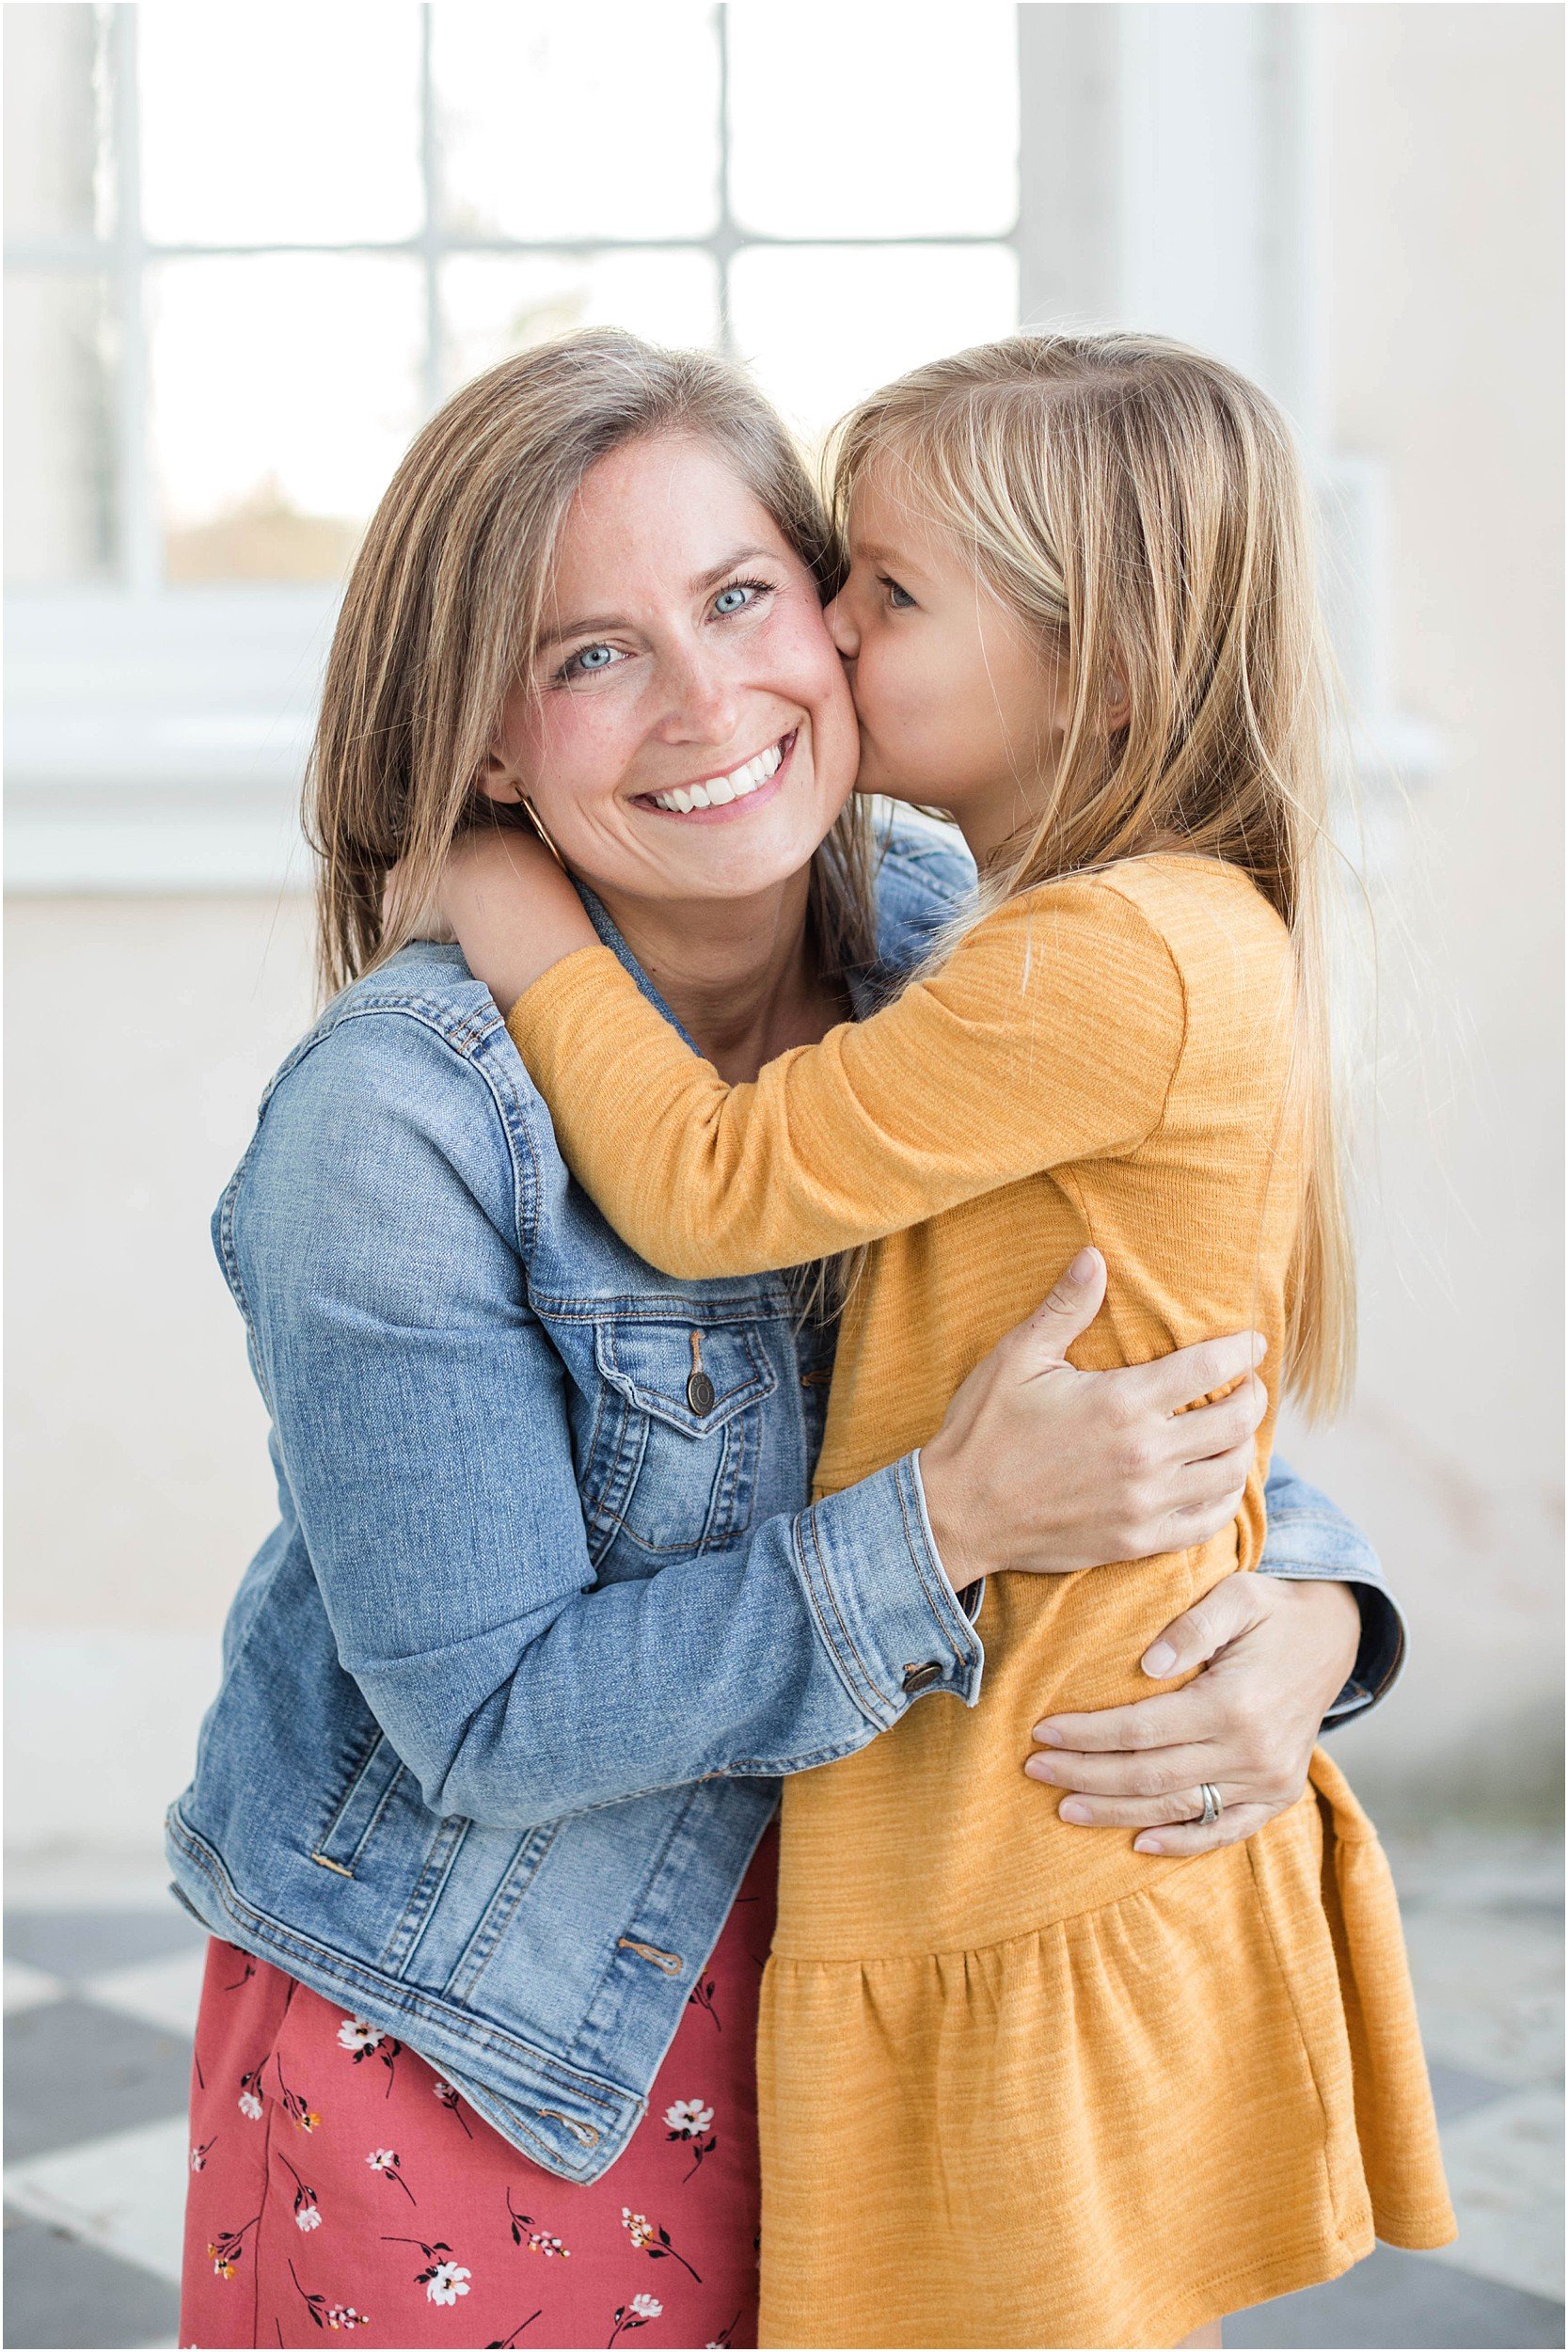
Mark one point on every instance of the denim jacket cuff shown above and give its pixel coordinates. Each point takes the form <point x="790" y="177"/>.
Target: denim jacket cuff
<point x="891" y="1621"/>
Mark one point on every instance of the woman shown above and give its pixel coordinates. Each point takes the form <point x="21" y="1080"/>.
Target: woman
<point x="480" y="1784"/>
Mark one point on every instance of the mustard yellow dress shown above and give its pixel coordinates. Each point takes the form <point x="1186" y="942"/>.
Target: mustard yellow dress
<point x="1020" y="2084"/>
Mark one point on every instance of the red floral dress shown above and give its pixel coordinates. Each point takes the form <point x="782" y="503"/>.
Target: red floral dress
<point x="338" y="2185"/>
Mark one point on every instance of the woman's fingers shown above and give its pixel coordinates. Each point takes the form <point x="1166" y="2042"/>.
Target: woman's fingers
<point x="1210" y="1430"/>
<point x="1170" y="1719"/>
<point x="1235" y="1822"/>
<point x="1191" y="1373"/>
<point x="1161" y="1774"/>
<point x="1181" y="1806"/>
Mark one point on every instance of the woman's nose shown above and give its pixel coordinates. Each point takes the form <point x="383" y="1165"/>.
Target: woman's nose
<point x="704" y="701"/>
<point x="840" y="629"/>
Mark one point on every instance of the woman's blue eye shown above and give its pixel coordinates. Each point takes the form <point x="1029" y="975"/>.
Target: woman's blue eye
<point x="593" y="656"/>
<point x="733" y="599"/>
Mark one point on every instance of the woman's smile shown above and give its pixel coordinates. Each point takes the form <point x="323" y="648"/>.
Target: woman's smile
<point x="716" y="799"/>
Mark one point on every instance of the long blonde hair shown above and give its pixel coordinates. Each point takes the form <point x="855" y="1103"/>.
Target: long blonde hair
<point x="446" y="602"/>
<point x="1142" y="508"/>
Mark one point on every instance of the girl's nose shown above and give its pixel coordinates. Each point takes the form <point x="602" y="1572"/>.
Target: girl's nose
<point x="841" y="629"/>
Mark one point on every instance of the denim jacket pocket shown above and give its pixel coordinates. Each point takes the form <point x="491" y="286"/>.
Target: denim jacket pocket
<point x="676" y="1459"/>
<point x="360" y="1808"/>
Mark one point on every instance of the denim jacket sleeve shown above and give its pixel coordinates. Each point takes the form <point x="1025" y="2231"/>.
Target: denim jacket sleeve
<point x="1309" y="1536"/>
<point x="372" y="1242"/>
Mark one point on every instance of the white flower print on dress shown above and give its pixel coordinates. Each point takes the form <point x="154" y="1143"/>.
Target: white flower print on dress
<point x="687" y="2118"/>
<point x="652" y="2239"/>
<point x="355" y="2034"/>
<point x="385" y="2161"/>
<point x="636" y="2313"/>
<point x="341" y="2318"/>
<point x="444" y="2279"/>
<point x="449" y="2099"/>
<point x="447" y="2281"/>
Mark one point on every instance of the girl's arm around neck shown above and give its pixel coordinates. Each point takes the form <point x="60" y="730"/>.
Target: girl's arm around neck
<point x="1051" y="1034"/>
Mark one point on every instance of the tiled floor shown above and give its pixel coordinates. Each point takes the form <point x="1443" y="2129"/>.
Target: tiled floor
<point x="100" y="1983"/>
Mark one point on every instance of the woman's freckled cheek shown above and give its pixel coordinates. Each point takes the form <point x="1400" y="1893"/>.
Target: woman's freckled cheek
<point x="581" y="754"/>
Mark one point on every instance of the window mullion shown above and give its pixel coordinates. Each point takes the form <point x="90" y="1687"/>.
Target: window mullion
<point x="139" y="537"/>
<point x="724" y="240"/>
<point x="430" y="233"/>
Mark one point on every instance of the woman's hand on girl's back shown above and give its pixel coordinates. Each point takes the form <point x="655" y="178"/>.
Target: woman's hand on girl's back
<point x="1041" y="1468"/>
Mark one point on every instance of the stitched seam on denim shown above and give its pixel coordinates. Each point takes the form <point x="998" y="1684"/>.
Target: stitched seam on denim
<point x="807" y="1521"/>
<point x="382" y="1803"/>
<point x="358" y="1974"/>
<point x="445" y="1847"/>
<point x="463" y="1041"/>
<point x="943" y="1601"/>
<point x="660" y="1306"/>
<point x="375" y="1741"/>
<point x="764" y="1382"/>
<point x="480" y="1950"/>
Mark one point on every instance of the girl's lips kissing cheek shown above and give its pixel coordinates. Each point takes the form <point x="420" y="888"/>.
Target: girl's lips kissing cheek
<point x="713" y="800"/>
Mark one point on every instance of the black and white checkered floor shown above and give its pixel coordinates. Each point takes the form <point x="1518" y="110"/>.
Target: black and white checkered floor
<point x="102" y="1976"/>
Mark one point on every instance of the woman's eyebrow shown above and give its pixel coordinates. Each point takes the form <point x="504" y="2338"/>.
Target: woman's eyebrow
<point x="592" y="625"/>
<point x="742" y="555"/>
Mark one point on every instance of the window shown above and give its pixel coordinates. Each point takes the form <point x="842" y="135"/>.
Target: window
<point x="251" y="249"/>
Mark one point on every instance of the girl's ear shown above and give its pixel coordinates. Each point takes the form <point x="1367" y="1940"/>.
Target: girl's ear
<point x="1119" y="702"/>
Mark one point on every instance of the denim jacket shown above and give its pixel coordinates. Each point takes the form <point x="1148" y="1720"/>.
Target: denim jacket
<point x="507" y="1692"/>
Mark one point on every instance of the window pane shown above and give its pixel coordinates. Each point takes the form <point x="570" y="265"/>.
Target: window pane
<point x="492" y="305"/>
<point x="286" y="125"/>
<point x="57" y="175"/>
<point x="892" y="127"/>
<point x="823" y="324"/>
<point x="284" y="391"/>
<point x="60" y="510"/>
<point x="598" y="120"/>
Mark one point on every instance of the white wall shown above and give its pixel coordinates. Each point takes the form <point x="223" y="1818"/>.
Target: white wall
<point x="1445" y="340"/>
<point x="142" y="1030"/>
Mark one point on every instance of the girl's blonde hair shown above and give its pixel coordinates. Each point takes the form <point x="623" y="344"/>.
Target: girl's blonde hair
<point x="449" y="596"/>
<point x="1143" y="508"/>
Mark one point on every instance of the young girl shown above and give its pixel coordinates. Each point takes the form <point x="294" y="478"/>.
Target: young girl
<point x="1021" y="2085"/>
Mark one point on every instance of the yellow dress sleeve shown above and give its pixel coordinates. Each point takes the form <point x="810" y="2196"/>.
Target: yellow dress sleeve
<point x="1051" y="1034"/>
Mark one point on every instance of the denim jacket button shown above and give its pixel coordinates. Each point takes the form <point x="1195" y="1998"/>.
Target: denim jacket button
<point x="699" y="1392"/>
<point x="921" y="1678"/>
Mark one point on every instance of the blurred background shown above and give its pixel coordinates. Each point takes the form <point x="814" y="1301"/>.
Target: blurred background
<point x="247" y="251"/>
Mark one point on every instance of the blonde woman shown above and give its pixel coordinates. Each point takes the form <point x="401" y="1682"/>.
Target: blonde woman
<point x="481" y="1814"/>
<point x="1019" y="2085"/>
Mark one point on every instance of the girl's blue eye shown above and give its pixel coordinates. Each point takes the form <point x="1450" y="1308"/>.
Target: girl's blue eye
<point x="899" y="598"/>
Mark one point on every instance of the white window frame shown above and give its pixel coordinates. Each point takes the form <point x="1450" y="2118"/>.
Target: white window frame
<point x="156" y="735"/>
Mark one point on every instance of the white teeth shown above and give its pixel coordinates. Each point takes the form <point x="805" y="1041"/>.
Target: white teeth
<point x="714" y="791"/>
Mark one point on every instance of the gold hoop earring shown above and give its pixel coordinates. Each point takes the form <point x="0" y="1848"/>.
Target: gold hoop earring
<point x="533" y="819"/>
